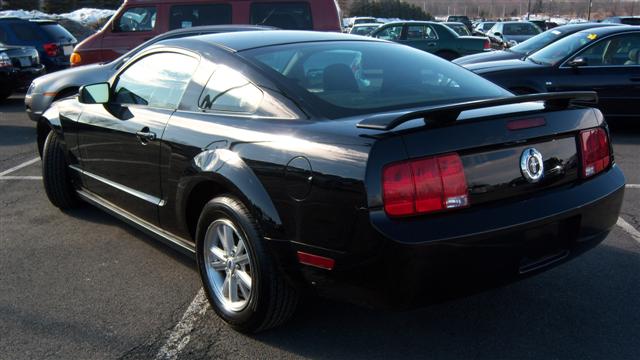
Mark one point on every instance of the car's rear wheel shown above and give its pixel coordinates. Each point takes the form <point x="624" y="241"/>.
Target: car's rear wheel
<point x="55" y="174"/>
<point x="243" y="284"/>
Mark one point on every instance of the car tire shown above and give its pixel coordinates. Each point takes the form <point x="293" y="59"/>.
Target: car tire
<point x="447" y="55"/>
<point x="55" y="174"/>
<point x="271" y="299"/>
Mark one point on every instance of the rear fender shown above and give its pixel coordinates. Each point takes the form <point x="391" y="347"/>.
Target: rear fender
<point x="233" y="175"/>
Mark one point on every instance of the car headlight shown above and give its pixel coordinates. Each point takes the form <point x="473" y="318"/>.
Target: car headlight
<point x="31" y="88"/>
<point x="5" y="60"/>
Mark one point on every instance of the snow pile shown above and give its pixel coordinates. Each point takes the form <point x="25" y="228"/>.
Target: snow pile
<point x="87" y="17"/>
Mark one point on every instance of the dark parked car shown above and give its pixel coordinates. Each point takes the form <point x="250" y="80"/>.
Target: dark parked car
<point x="51" y="87"/>
<point x="363" y="29"/>
<point x="18" y="66"/>
<point x="53" y="42"/>
<point x="605" y="59"/>
<point x="529" y="46"/>
<point x="514" y="32"/>
<point x="432" y="37"/>
<point x="287" y="171"/>
<point x="626" y="20"/>
<point x="461" y="19"/>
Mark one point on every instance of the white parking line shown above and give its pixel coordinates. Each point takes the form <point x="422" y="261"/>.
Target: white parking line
<point x="633" y="186"/>
<point x="180" y="335"/>
<point x="629" y="229"/>
<point x="18" y="167"/>
<point x="20" y="177"/>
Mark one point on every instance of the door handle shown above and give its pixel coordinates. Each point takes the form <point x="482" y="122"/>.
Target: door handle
<point x="145" y="135"/>
<point x="431" y="44"/>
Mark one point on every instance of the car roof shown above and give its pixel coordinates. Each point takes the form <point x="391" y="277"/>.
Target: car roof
<point x="218" y="28"/>
<point x="583" y="26"/>
<point x="367" y="24"/>
<point x="606" y="30"/>
<point x="244" y="40"/>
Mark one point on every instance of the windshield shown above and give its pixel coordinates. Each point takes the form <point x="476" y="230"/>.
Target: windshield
<point x="537" y="42"/>
<point x="630" y="21"/>
<point x="523" y="28"/>
<point x="562" y="48"/>
<point x="345" y="78"/>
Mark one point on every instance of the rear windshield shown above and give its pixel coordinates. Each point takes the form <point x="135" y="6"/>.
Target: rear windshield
<point x="487" y="26"/>
<point x="26" y="32"/>
<point x="290" y="16"/>
<point x="520" y="29"/>
<point x="186" y="16"/>
<point x="57" y="33"/>
<point x="350" y="77"/>
<point x="458" y="18"/>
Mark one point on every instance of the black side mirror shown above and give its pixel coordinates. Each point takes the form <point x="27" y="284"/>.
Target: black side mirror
<point x="94" y="94"/>
<point x="497" y="34"/>
<point x="577" y="62"/>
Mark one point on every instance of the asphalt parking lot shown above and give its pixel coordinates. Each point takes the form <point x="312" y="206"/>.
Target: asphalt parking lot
<point x="83" y="285"/>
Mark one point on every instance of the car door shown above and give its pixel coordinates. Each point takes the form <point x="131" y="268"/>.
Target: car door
<point x="120" y="141"/>
<point x="611" y="69"/>
<point x="135" y="26"/>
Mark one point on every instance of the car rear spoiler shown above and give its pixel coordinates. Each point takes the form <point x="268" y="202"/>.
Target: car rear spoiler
<point x="450" y="112"/>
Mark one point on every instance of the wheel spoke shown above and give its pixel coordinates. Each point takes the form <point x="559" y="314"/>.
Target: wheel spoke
<point x="218" y="265"/>
<point x="244" y="290"/>
<point x="225" y="286"/>
<point x="240" y="248"/>
<point x="226" y="238"/>
<point x="233" y="289"/>
<point x="218" y="253"/>
<point x="242" y="259"/>
<point x="244" y="278"/>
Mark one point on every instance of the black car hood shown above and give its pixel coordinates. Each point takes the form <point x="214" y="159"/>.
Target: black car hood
<point x="487" y="56"/>
<point x="500" y="65"/>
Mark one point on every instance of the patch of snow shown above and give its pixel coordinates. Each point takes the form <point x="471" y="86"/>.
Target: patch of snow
<point x="85" y="16"/>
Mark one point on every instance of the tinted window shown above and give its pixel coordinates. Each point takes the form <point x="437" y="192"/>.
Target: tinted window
<point x="630" y="21"/>
<point x="57" y="32"/>
<point x="363" y="30"/>
<point x="137" y="19"/>
<point x="291" y="16"/>
<point x="3" y="36"/>
<point x="228" y="90"/>
<point x="520" y="29"/>
<point x="26" y="32"/>
<point x="186" y="16"/>
<point x="487" y="26"/>
<point x="421" y="32"/>
<point x="390" y="32"/>
<point x="620" y="50"/>
<point x="157" y="80"/>
<point x="347" y="78"/>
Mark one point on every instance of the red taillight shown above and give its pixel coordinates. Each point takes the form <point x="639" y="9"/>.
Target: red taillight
<point x="50" y="49"/>
<point x="525" y="124"/>
<point x="424" y="185"/>
<point x="594" y="146"/>
<point x="316" y="260"/>
<point x="487" y="44"/>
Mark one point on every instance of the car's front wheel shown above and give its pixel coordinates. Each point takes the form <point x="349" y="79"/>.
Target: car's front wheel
<point x="243" y="284"/>
<point x="55" y="174"/>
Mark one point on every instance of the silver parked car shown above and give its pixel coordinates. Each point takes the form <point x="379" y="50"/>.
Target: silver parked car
<point x="55" y="86"/>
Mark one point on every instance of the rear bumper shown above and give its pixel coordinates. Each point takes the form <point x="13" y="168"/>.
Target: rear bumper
<point x="20" y="78"/>
<point x="426" y="260"/>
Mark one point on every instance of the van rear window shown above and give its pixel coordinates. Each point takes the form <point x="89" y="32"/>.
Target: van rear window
<point x="290" y="16"/>
<point x="57" y="33"/>
<point x="186" y="16"/>
<point x="26" y="32"/>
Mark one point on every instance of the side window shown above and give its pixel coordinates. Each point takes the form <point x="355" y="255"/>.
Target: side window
<point x="26" y="32"/>
<point x="137" y="19"/>
<point x="621" y="50"/>
<point x="421" y="32"/>
<point x="390" y="33"/>
<point x="157" y="80"/>
<point x="283" y="15"/>
<point x="228" y="90"/>
<point x="3" y="36"/>
<point x="186" y="16"/>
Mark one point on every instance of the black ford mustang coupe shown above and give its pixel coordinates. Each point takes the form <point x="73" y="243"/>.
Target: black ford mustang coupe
<point x="299" y="162"/>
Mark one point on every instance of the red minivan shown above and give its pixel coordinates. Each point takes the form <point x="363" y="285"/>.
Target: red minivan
<point x="139" y="20"/>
